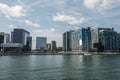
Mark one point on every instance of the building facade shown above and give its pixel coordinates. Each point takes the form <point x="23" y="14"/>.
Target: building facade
<point x="21" y="36"/>
<point x="105" y="39"/>
<point x="67" y="46"/>
<point x="53" y="45"/>
<point x="48" y="46"/>
<point x="4" y="37"/>
<point x="29" y="43"/>
<point x="41" y="43"/>
<point x="81" y="39"/>
<point x="109" y="40"/>
<point x="7" y="47"/>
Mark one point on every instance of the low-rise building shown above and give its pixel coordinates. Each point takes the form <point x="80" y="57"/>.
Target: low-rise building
<point x="6" y="47"/>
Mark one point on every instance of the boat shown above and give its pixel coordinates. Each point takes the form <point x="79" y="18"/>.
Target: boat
<point x="87" y="54"/>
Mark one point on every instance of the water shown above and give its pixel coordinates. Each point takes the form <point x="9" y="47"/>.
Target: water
<point x="60" y="67"/>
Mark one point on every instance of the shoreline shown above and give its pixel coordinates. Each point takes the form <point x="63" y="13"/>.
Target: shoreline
<point x="62" y="53"/>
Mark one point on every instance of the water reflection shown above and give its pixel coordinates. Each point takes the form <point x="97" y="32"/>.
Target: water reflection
<point x="60" y="67"/>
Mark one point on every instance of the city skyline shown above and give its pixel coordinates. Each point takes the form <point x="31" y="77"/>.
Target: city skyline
<point x="51" y="20"/>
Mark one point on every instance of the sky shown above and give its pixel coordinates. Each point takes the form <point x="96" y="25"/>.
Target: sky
<point x="51" y="18"/>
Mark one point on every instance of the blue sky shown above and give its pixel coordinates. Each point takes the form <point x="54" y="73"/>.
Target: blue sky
<point x="51" y="18"/>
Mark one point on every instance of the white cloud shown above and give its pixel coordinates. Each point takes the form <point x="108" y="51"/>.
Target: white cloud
<point x="69" y="19"/>
<point x="101" y="5"/>
<point x="52" y="30"/>
<point x="30" y="23"/>
<point x="11" y="26"/>
<point x="44" y="3"/>
<point x="12" y="11"/>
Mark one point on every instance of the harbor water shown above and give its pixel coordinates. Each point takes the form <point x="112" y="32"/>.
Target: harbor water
<point x="60" y="67"/>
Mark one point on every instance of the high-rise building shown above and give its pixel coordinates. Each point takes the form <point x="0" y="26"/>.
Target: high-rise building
<point x="96" y="37"/>
<point x="53" y="45"/>
<point x="67" y="40"/>
<point x="81" y="39"/>
<point x="20" y="36"/>
<point x="41" y="43"/>
<point x="109" y="40"/>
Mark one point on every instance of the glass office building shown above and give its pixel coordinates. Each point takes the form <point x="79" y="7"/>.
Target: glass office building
<point x="81" y="39"/>
<point x="67" y="46"/>
<point x="41" y="43"/>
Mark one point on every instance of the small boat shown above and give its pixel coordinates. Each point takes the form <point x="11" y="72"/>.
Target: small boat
<point x="87" y="54"/>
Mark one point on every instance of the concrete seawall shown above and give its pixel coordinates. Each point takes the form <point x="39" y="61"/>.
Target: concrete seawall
<point x="61" y="53"/>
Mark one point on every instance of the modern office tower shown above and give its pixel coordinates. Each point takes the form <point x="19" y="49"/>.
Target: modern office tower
<point x="41" y="43"/>
<point x="96" y="45"/>
<point x="20" y="36"/>
<point x="104" y="39"/>
<point x="4" y="37"/>
<point x="53" y="45"/>
<point x="81" y="39"/>
<point x="109" y="40"/>
<point x="29" y="43"/>
<point x="67" y="40"/>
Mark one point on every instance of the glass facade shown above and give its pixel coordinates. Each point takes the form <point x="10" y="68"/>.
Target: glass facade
<point x="105" y="39"/>
<point x="109" y="40"/>
<point x="81" y="39"/>
<point x="20" y="36"/>
<point x="41" y="43"/>
<point x="67" y="46"/>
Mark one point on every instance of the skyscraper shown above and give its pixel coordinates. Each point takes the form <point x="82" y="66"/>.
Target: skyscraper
<point x="81" y="39"/>
<point x="41" y="43"/>
<point x="67" y="40"/>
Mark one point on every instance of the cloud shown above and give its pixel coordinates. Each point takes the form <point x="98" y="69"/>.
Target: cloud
<point x="101" y="5"/>
<point x="11" y="26"/>
<point x="12" y="11"/>
<point x="30" y="23"/>
<point x="48" y="3"/>
<point x="45" y="32"/>
<point x="69" y="19"/>
<point x="52" y="30"/>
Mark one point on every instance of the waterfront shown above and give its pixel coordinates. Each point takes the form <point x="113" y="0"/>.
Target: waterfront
<point x="60" y="67"/>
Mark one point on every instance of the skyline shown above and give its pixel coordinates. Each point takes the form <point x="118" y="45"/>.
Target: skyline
<point x="43" y="18"/>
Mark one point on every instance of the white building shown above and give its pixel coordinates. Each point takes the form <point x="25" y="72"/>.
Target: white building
<point x="4" y="37"/>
